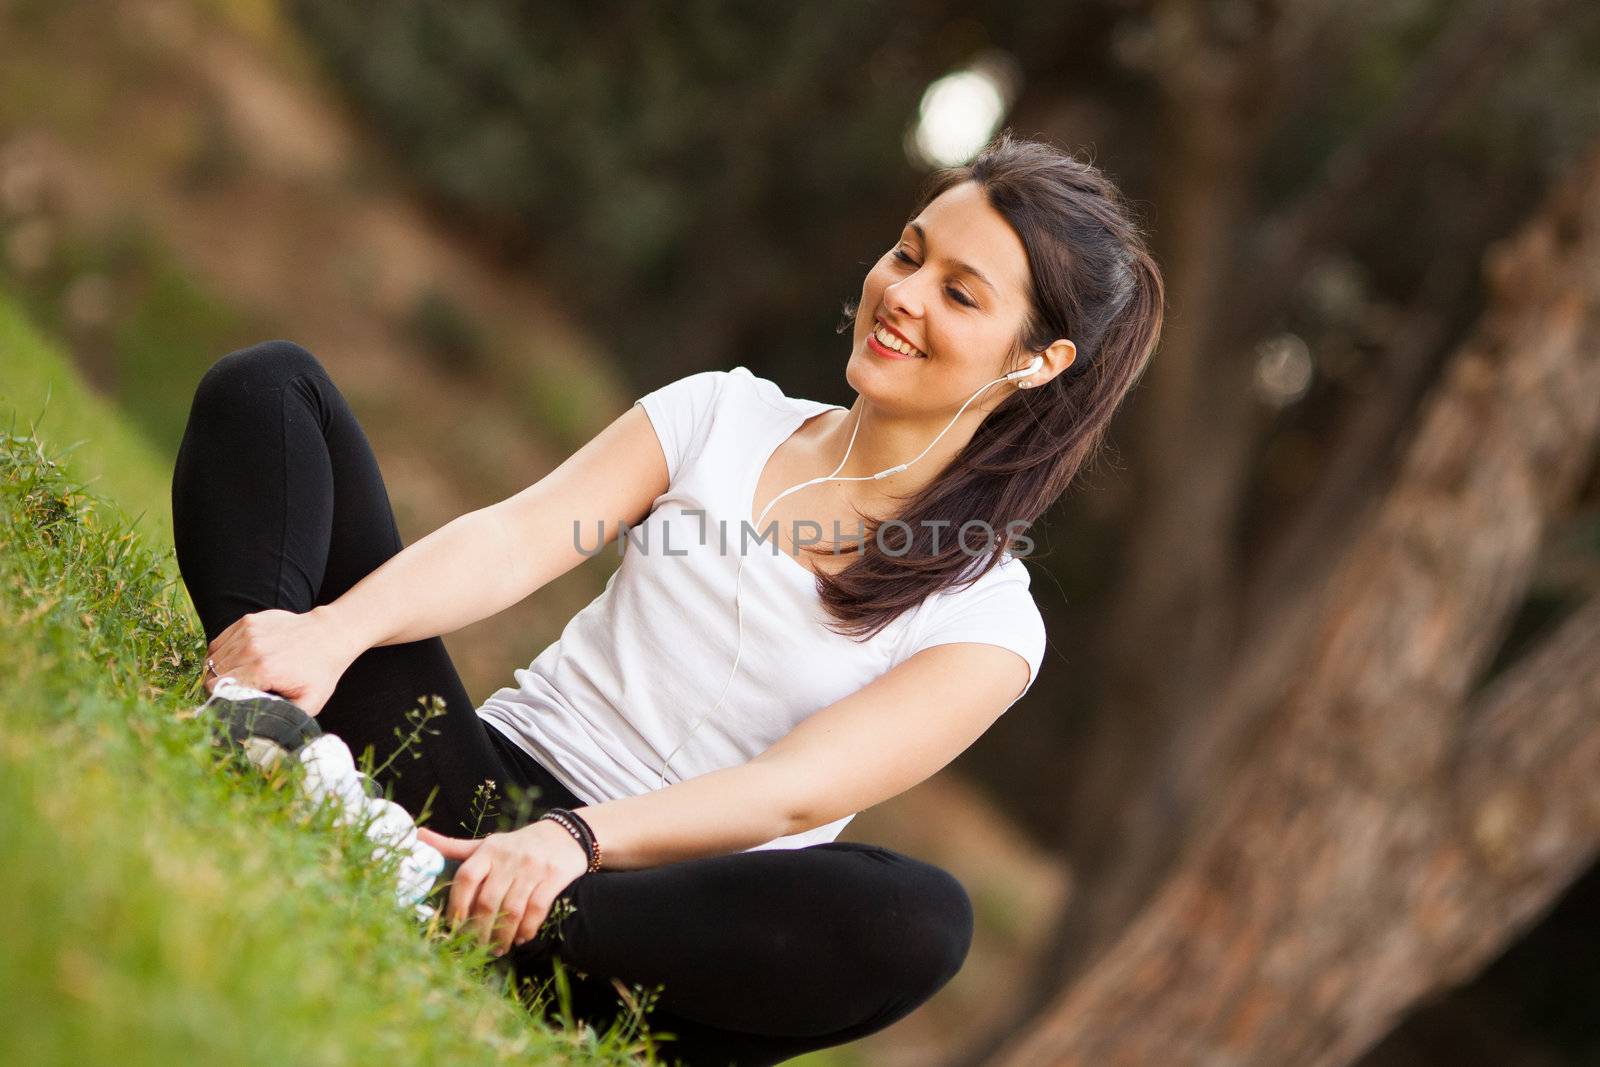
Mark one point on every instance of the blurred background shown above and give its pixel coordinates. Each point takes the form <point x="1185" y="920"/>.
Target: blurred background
<point x="1310" y="773"/>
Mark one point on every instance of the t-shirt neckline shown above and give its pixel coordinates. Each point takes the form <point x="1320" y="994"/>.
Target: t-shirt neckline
<point x="797" y="419"/>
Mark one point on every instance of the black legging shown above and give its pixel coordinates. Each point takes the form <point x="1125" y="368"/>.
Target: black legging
<point x="278" y="503"/>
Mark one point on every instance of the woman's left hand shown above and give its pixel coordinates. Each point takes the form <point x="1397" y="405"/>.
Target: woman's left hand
<point x="507" y="882"/>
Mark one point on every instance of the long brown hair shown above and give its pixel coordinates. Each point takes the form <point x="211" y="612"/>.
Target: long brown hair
<point x="1094" y="282"/>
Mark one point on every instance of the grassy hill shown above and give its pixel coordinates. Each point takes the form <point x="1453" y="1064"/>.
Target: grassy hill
<point x="160" y="905"/>
<point x="40" y="391"/>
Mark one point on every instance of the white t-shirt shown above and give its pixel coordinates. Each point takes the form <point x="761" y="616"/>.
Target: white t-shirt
<point x="606" y="704"/>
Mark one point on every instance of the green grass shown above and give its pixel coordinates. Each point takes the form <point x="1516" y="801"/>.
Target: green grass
<point x="161" y="905"/>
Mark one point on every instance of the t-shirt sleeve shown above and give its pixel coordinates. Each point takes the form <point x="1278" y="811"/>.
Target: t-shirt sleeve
<point x="995" y="610"/>
<point x="680" y="411"/>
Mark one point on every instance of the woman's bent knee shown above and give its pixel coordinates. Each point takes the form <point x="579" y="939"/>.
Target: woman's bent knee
<point x="923" y="929"/>
<point x="945" y="929"/>
<point x="251" y="371"/>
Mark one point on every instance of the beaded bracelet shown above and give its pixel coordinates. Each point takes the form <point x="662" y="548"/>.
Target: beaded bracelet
<point x="593" y="841"/>
<point x="558" y="816"/>
<point x="575" y="825"/>
<point x="581" y="829"/>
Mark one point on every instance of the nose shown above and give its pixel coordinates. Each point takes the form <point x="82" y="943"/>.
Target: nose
<point x="904" y="297"/>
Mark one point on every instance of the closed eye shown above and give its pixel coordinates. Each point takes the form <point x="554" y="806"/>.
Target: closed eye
<point x="956" y="294"/>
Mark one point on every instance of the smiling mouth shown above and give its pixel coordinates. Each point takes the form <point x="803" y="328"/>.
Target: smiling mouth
<point x="877" y="348"/>
<point x="894" y="346"/>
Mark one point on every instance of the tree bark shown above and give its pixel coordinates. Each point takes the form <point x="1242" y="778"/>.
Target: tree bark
<point x="1388" y="833"/>
<point x="1132" y="777"/>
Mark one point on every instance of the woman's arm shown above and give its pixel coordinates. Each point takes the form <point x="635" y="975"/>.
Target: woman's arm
<point x="859" y="751"/>
<point x="487" y="560"/>
<point x="468" y="569"/>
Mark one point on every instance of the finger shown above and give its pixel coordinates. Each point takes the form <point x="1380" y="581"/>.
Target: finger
<point x="464" y="889"/>
<point x="224" y="643"/>
<point x="217" y="641"/>
<point x="486" y="909"/>
<point x="227" y="658"/>
<point x="512" y="911"/>
<point x="451" y="848"/>
<point x="539" y="902"/>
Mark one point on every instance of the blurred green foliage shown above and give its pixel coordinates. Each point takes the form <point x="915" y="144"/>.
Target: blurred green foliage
<point x="143" y="326"/>
<point x="174" y="331"/>
<point x="685" y="174"/>
<point x="40" y="390"/>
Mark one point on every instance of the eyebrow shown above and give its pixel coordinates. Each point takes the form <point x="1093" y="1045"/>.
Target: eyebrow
<point x="964" y="268"/>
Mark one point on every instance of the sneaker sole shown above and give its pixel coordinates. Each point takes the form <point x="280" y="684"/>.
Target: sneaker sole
<point x="266" y="728"/>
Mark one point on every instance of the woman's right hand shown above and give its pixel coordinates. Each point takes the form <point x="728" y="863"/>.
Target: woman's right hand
<point x="301" y="657"/>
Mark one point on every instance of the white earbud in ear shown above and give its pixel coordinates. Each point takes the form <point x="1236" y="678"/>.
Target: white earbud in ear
<point x="1026" y="372"/>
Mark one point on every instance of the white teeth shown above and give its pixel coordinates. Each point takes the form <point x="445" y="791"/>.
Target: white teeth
<point x="889" y="340"/>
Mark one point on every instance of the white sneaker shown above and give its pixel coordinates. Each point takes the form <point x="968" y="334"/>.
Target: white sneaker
<point x="270" y="729"/>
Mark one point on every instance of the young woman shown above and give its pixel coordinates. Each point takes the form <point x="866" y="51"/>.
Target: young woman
<point x="722" y="709"/>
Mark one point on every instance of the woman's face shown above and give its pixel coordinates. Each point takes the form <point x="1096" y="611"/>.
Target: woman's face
<point x="955" y="286"/>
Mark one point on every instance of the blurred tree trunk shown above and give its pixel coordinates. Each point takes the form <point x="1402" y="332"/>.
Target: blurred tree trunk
<point x="1388" y="833"/>
<point x="1228" y="635"/>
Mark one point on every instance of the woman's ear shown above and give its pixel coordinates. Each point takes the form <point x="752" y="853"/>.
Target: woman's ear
<point x="1057" y="359"/>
